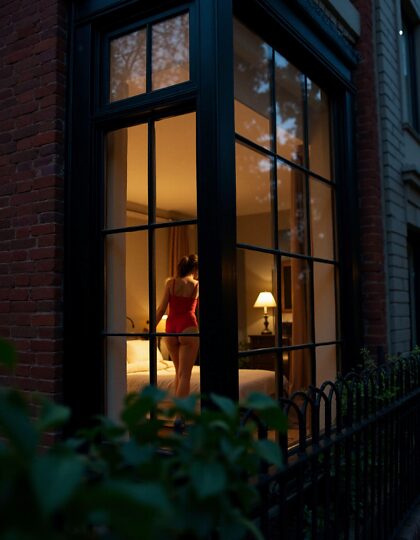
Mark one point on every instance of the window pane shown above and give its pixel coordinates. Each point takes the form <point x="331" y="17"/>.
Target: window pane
<point x="116" y="375"/>
<point x="300" y="314"/>
<point x="127" y="284"/>
<point x="256" y="274"/>
<point x="291" y="194"/>
<point x="170" y="52"/>
<point x="252" y="86"/>
<point x="326" y="364"/>
<point x="253" y="197"/>
<point x="126" y="176"/>
<point x="319" y="130"/>
<point x="289" y="110"/>
<point x="325" y="305"/>
<point x="176" y="192"/>
<point x="128" y="66"/>
<point x="172" y="243"/>
<point x="299" y="370"/>
<point x="322" y="220"/>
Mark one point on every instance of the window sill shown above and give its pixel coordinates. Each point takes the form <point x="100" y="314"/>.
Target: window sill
<point x="412" y="131"/>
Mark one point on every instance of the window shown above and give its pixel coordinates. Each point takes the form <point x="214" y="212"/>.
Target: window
<point x="285" y="200"/>
<point x="410" y="43"/>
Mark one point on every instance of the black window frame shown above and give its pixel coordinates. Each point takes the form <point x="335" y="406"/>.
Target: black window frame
<point x="311" y="47"/>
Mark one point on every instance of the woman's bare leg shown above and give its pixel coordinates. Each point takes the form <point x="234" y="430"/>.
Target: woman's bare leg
<point x="172" y="344"/>
<point x="188" y="350"/>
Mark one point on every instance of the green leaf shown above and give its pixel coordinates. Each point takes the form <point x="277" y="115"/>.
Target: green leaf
<point x="258" y="401"/>
<point x="55" y="478"/>
<point x="149" y="495"/>
<point x="226" y="405"/>
<point x="275" y="419"/>
<point x="16" y="424"/>
<point x="186" y="405"/>
<point x="8" y="356"/>
<point x="208" y="478"/>
<point x="270" y="452"/>
<point x="52" y="415"/>
<point x="135" y="455"/>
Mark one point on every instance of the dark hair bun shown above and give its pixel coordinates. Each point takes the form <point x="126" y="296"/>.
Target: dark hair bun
<point x="187" y="265"/>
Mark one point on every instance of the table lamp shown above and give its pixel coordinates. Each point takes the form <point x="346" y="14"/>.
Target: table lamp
<point x="265" y="300"/>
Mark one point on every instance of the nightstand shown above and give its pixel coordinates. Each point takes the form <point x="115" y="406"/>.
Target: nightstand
<point x="262" y="361"/>
<point x="267" y="361"/>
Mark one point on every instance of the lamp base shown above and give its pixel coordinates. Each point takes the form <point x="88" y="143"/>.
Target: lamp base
<point x="266" y="330"/>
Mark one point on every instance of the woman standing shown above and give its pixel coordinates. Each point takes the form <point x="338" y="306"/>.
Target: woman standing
<point x="181" y="294"/>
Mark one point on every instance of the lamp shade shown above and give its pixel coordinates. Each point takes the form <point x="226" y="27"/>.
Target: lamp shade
<point x="265" y="299"/>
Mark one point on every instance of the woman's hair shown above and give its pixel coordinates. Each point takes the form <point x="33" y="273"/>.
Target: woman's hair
<point x="187" y="265"/>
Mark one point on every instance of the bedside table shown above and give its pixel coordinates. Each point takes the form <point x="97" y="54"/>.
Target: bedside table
<point x="262" y="361"/>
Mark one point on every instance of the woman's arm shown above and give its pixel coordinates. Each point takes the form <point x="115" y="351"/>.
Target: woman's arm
<point x="160" y="312"/>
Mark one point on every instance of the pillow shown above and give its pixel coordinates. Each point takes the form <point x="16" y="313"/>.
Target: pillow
<point x="138" y="351"/>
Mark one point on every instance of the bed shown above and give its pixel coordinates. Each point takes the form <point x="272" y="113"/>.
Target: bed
<point x="250" y="380"/>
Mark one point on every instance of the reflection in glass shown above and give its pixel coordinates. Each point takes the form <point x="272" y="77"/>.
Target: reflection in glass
<point x="252" y="85"/>
<point x="128" y="66"/>
<point x="325" y="305"/>
<point x="319" y="130"/>
<point x="289" y="84"/>
<point x="253" y="197"/>
<point x="255" y="274"/>
<point x="176" y="192"/>
<point x="322" y="220"/>
<point x="291" y="195"/>
<point x="127" y="289"/>
<point x="126" y="175"/>
<point x="170" y="52"/>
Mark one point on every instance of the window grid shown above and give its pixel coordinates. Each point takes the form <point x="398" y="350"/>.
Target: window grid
<point x="279" y="253"/>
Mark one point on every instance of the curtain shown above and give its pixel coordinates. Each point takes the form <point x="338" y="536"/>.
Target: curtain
<point x="299" y="368"/>
<point x="178" y="247"/>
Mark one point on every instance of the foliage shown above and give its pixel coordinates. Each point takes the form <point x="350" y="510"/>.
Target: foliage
<point x="135" y="479"/>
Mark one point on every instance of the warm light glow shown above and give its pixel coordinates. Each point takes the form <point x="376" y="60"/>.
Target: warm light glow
<point x="164" y="317"/>
<point x="264" y="300"/>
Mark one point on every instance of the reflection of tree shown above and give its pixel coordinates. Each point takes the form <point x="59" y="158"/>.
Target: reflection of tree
<point x="170" y="58"/>
<point x="128" y="65"/>
<point x="170" y="52"/>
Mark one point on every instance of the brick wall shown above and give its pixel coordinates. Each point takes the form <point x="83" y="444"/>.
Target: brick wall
<point x="32" y="97"/>
<point x="372" y="255"/>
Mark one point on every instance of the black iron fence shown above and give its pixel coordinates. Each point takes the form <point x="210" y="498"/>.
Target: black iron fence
<point x="352" y="457"/>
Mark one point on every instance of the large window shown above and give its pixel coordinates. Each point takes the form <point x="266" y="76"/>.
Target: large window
<point x="285" y="198"/>
<point x="410" y="43"/>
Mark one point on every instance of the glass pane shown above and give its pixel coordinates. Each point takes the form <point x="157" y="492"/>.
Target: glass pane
<point x="252" y="86"/>
<point x="128" y="66"/>
<point x="176" y="192"/>
<point x="172" y="243"/>
<point x="253" y="197"/>
<point x="170" y="52"/>
<point x="289" y="84"/>
<point x="256" y="312"/>
<point x="291" y="194"/>
<point x="116" y="375"/>
<point x="126" y="177"/>
<point x="298" y="317"/>
<point x="319" y="130"/>
<point x="322" y="220"/>
<point x="326" y="364"/>
<point x="325" y="306"/>
<point x="298" y="370"/>
<point x="127" y="285"/>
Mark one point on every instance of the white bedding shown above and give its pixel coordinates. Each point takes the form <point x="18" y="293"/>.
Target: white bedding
<point x="250" y="380"/>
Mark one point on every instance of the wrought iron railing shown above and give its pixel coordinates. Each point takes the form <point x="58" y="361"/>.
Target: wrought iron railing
<point x="353" y="470"/>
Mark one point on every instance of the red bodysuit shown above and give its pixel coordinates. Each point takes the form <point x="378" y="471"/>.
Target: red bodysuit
<point x="181" y="312"/>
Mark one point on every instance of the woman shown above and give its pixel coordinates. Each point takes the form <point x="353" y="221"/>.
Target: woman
<point x="181" y="293"/>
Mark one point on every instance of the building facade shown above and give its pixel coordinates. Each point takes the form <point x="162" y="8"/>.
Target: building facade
<point x="247" y="132"/>
<point x="397" y="52"/>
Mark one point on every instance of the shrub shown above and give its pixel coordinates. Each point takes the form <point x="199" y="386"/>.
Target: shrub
<point x="135" y="479"/>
